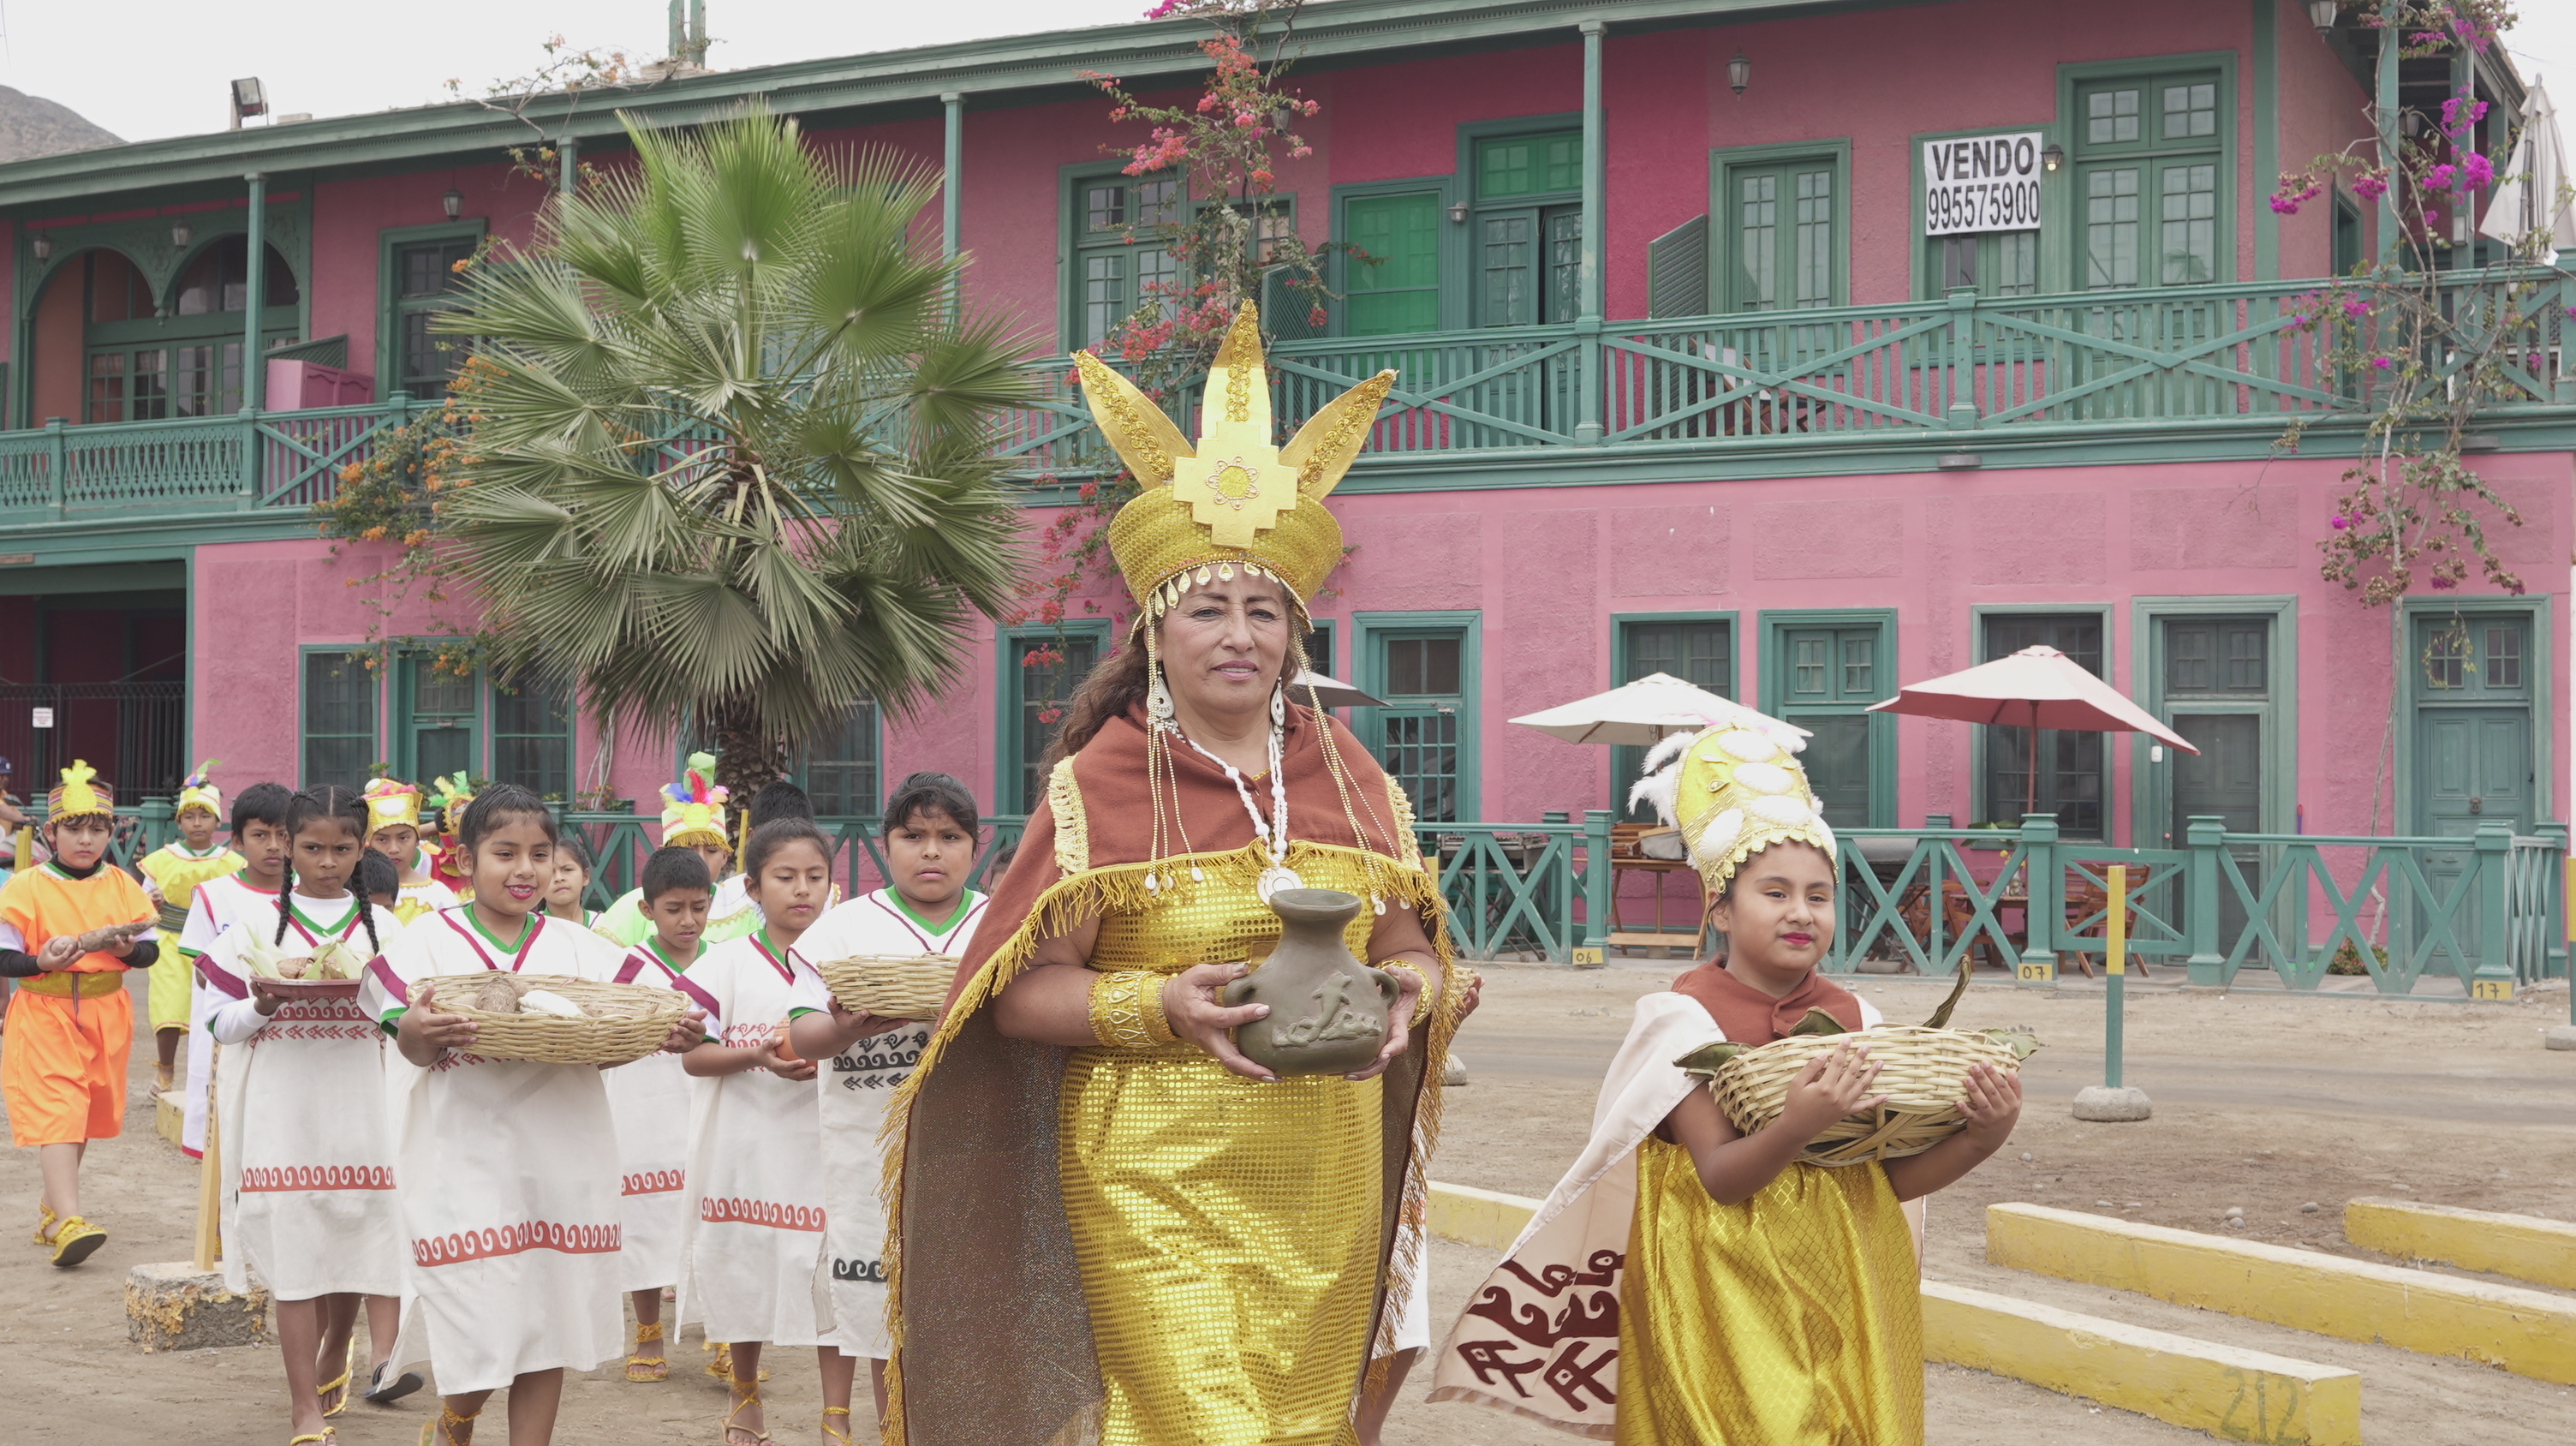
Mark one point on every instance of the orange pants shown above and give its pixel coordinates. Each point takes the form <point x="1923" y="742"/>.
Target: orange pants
<point x="62" y="1074"/>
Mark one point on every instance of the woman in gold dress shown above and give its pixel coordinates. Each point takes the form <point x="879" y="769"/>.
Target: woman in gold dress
<point x="1110" y="1226"/>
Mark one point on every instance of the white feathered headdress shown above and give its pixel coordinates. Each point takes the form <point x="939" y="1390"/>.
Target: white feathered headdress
<point x="1734" y="790"/>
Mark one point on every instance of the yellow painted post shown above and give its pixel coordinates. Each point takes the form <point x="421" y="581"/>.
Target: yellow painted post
<point x="2115" y="969"/>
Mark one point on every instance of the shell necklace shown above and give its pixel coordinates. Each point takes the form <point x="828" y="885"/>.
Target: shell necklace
<point x="1274" y="833"/>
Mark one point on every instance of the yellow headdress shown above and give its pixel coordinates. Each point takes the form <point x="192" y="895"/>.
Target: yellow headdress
<point x="79" y="795"/>
<point x="1233" y="499"/>
<point x="392" y="804"/>
<point x="693" y="809"/>
<point x="1734" y="790"/>
<point x="198" y="790"/>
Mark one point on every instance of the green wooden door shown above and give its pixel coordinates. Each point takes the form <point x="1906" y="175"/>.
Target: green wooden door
<point x="2224" y="780"/>
<point x="1394" y="278"/>
<point x="437" y="714"/>
<point x="2473" y="757"/>
<point x="1832" y="675"/>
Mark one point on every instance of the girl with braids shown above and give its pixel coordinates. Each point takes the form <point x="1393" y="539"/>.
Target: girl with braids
<point x="308" y="1198"/>
<point x="506" y="1169"/>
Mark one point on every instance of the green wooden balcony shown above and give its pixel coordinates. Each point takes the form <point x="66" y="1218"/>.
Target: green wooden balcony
<point x="2226" y="364"/>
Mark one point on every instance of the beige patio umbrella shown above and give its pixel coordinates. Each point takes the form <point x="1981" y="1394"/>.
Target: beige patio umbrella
<point x="1646" y="711"/>
<point x="1330" y="692"/>
<point x="2036" y="688"/>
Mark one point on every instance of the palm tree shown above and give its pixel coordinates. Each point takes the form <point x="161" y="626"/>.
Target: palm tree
<point x="727" y="443"/>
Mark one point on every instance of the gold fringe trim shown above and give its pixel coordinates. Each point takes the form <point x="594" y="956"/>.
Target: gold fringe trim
<point x="1120" y="888"/>
<point x="1072" y="825"/>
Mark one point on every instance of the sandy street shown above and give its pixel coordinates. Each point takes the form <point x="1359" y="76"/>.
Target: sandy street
<point x="2262" y="1101"/>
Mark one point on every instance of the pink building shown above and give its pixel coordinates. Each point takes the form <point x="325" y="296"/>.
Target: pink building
<point x="1688" y="386"/>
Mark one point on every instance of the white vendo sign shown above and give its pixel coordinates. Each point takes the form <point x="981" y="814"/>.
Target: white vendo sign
<point x="1981" y="183"/>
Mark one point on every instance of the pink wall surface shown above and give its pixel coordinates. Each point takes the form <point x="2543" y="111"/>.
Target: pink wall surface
<point x="347" y="254"/>
<point x="2323" y="110"/>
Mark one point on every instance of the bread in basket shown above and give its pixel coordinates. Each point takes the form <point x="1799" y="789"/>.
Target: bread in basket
<point x="892" y="986"/>
<point x="328" y="970"/>
<point x="571" y="1021"/>
<point x="1923" y="1076"/>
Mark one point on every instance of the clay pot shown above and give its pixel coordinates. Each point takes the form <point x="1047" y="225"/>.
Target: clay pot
<point x="1327" y="1009"/>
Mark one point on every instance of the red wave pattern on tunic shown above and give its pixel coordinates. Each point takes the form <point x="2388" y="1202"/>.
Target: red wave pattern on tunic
<point x="654" y="1182"/>
<point x="761" y="1212"/>
<point x="514" y="1240"/>
<point x="283" y="1178"/>
<point x="310" y="1033"/>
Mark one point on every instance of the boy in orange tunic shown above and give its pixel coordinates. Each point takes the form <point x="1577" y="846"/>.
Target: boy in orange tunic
<point x="70" y="1022"/>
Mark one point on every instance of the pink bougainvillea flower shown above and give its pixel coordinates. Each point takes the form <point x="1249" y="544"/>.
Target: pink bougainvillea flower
<point x="2370" y="186"/>
<point x="2340" y="523"/>
<point x="2476" y="172"/>
<point x="2355" y="306"/>
<point x="2383" y="362"/>
<point x="2439" y="178"/>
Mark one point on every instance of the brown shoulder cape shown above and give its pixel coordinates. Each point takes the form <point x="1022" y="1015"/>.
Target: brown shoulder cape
<point x="985" y="1303"/>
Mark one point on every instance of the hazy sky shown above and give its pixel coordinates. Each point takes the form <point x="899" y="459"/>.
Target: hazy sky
<point x="150" y="68"/>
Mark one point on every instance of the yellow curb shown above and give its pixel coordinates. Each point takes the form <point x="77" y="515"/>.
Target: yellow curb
<point x="2525" y="1247"/>
<point x="2526" y="1332"/>
<point x="2227" y="1391"/>
<point x="1471" y="1216"/>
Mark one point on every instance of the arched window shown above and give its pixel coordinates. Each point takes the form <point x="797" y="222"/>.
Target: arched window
<point x="145" y="361"/>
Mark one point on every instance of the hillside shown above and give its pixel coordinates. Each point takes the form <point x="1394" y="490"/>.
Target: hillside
<point x="33" y="126"/>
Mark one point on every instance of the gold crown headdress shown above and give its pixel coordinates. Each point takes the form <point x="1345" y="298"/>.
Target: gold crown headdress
<point x="198" y="790"/>
<point x="692" y="809"/>
<point x="1734" y="790"/>
<point x="1232" y="499"/>
<point x="81" y="794"/>
<point x="392" y="803"/>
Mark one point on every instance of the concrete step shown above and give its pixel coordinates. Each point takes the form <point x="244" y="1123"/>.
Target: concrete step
<point x="2527" y="1332"/>
<point x="2524" y="1247"/>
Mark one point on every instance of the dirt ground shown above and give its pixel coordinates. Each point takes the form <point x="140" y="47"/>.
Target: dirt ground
<point x="2263" y="1101"/>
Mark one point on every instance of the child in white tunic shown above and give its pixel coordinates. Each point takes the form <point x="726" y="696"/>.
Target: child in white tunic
<point x="506" y="1170"/>
<point x="650" y="1100"/>
<point x="929" y="838"/>
<point x="259" y="836"/>
<point x="756" y="1201"/>
<point x="307" y="1181"/>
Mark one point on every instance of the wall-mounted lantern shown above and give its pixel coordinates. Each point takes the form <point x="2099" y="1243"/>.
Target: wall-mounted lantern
<point x="1739" y="73"/>
<point x="453" y="203"/>
<point x="181" y="235"/>
<point x="2321" y="14"/>
<point x="43" y="246"/>
<point x="2052" y="157"/>
<point x="1458" y="213"/>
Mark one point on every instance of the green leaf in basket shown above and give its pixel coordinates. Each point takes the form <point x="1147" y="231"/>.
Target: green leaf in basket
<point x="1818" y="1022"/>
<point x="2021" y="1042"/>
<point x="1705" y="1059"/>
<point x="1941" y="1017"/>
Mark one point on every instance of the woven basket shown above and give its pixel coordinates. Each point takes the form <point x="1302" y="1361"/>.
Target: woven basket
<point x="311" y="988"/>
<point x="892" y="986"/>
<point x="1923" y="1072"/>
<point x="639" y="1021"/>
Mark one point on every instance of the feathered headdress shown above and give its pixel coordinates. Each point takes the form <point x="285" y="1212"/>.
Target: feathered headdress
<point x="79" y="795"/>
<point x="1733" y="790"/>
<point x="198" y="790"/>
<point x="693" y="809"/>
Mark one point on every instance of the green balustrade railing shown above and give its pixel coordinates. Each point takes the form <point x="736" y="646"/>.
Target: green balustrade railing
<point x="1510" y="888"/>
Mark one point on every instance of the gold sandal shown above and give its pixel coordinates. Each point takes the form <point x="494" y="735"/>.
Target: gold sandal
<point x="45" y="1218"/>
<point x="348" y="1366"/>
<point x="322" y="1435"/>
<point x="76" y="1240"/>
<point x="758" y="1438"/>
<point x="722" y="1366"/>
<point x="446" y="1425"/>
<point x="830" y="1433"/>
<point x="641" y="1367"/>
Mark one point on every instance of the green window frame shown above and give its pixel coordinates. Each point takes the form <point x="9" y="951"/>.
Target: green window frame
<point x="1321" y="655"/>
<point x="1523" y="180"/>
<point x="1028" y="685"/>
<point x="1697" y="647"/>
<point x="179" y="355"/>
<point x="1821" y="670"/>
<point x="533" y="737"/>
<point x="1779" y="232"/>
<point x="1431" y="752"/>
<point x="416" y="278"/>
<point x="336" y="716"/>
<point x="1113" y="259"/>
<point x="840" y="765"/>
<point x="2154" y="623"/>
<point x="2152" y="147"/>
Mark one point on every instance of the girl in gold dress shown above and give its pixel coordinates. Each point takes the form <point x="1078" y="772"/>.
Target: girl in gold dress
<point x="1108" y="1224"/>
<point x="1690" y="1283"/>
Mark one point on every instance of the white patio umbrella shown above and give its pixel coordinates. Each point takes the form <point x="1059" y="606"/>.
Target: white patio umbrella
<point x="1331" y="692"/>
<point x="2526" y="196"/>
<point x="1645" y="711"/>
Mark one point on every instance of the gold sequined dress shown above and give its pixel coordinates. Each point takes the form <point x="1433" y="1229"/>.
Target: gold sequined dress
<point x="1792" y="1319"/>
<point x="1132" y="1246"/>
